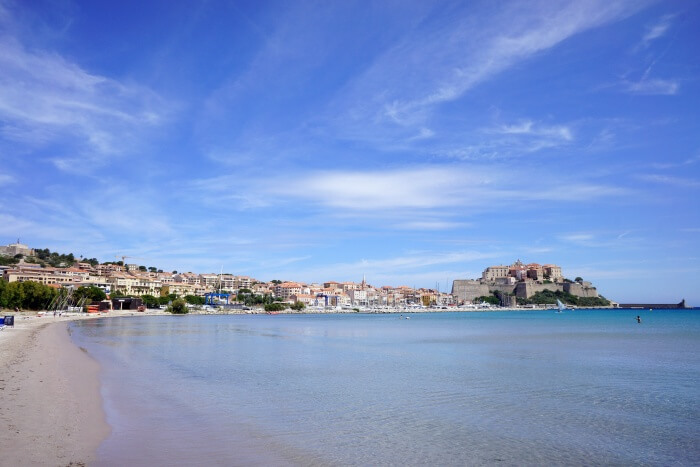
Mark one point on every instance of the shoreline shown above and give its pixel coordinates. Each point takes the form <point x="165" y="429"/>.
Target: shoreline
<point x="52" y="411"/>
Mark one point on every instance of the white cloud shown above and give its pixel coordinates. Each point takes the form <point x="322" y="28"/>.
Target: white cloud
<point x="647" y="86"/>
<point x="426" y="188"/>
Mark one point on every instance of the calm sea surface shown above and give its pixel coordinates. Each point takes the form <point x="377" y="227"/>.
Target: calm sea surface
<point x="479" y="388"/>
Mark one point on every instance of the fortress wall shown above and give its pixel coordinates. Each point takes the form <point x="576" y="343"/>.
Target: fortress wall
<point x="503" y="288"/>
<point x="581" y="290"/>
<point x="468" y="290"/>
<point x="528" y="289"/>
<point x="506" y="299"/>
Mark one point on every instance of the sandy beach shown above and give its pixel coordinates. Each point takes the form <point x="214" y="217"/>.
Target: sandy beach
<point x="51" y="411"/>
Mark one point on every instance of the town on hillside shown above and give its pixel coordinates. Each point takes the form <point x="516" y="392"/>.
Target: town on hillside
<point x="509" y="286"/>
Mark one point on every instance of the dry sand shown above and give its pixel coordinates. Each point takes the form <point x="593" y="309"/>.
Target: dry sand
<point x="50" y="405"/>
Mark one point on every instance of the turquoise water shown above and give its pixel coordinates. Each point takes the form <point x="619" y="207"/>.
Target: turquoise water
<point x="508" y="388"/>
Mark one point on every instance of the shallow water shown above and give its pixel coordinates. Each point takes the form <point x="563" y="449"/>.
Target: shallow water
<point x="473" y="388"/>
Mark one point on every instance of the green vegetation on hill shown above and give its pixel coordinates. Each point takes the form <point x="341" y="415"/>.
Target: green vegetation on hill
<point x="9" y="260"/>
<point x="548" y="297"/>
<point x="53" y="259"/>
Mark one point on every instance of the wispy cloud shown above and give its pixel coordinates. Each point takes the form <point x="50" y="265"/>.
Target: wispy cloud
<point x="658" y="30"/>
<point x="431" y="225"/>
<point x="528" y="127"/>
<point x="6" y="179"/>
<point x="458" y="55"/>
<point x="601" y="239"/>
<point x="672" y="165"/>
<point x="664" y="87"/>
<point x="408" y="267"/>
<point x="47" y="99"/>
<point x="577" y="237"/>
<point x="647" y="85"/>
<point x="669" y="180"/>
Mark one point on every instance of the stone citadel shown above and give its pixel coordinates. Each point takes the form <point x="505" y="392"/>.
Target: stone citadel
<point x="519" y="281"/>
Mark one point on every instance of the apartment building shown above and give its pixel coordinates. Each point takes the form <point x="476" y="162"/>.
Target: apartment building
<point x="285" y="290"/>
<point x="135" y="285"/>
<point x="210" y="281"/>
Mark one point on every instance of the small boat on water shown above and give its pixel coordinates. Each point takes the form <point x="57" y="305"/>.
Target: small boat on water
<point x="560" y="306"/>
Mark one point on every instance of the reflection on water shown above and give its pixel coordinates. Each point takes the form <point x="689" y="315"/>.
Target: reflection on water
<point x="527" y="388"/>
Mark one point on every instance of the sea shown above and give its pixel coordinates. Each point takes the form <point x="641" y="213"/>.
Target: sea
<point x="583" y="387"/>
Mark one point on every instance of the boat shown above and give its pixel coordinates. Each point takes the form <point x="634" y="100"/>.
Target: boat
<point x="560" y="306"/>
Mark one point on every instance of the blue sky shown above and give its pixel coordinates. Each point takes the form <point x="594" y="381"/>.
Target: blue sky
<point x="412" y="142"/>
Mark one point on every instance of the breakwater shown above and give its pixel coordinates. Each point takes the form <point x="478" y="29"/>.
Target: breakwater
<point x="661" y="306"/>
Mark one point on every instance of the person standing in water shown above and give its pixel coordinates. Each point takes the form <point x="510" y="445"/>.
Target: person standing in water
<point x="639" y="319"/>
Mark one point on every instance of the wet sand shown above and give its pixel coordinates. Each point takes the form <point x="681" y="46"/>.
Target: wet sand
<point x="51" y="409"/>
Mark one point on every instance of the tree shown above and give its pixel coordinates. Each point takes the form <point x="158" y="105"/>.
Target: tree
<point x="152" y="269"/>
<point x="578" y="279"/>
<point x="178" y="307"/>
<point x="142" y="268"/>
<point x="298" y="306"/>
<point x="276" y="281"/>
<point x="194" y="299"/>
<point x="490" y="299"/>
<point x="150" y="301"/>
<point x="92" y="293"/>
<point x="274" y="307"/>
<point x="30" y="295"/>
